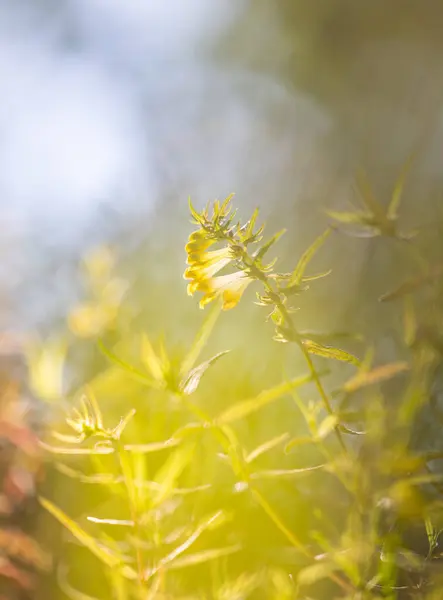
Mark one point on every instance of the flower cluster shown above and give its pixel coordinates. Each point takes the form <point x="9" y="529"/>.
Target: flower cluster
<point x="204" y="264"/>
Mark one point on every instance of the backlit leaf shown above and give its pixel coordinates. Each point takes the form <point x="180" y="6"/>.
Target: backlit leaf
<point x="377" y="375"/>
<point x="394" y="204"/>
<point x="128" y="368"/>
<point x="247" y="407"/>
<point x="283" y="473"/>
<point x="299" y="271"/>
<point x="204" y="556"/>
<point x="266" y="446"/>
<point x="329" y="352"/>
<point x="172" y="558"/>
<point x="191" y="382"/>
<point x="264" y="249"/>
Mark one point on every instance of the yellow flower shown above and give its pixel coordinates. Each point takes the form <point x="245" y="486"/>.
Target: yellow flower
<point x="229" y="287"/>
<point x="204" y="265"/>
<point x="198" y="241"/>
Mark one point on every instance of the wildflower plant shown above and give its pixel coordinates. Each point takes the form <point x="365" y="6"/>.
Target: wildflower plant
<point x="362" y="481"/>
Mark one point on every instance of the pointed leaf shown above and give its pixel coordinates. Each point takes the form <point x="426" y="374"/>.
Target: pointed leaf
<point x="329" y="352"/>
<point x="117" y="431"/>
<point x="349" y="218"/>
<point x="193" y="212"/>
<point x="204" y="556"/>
<point x="128" y="368"/>
<point x="308" y="278"/>
<point x="60" y="450"/>
<point x="297" y="442"/>
<point x="247" y="407"/>
<point x="283" y="473"/>
<point x="266" y="446"/>
<point x="264" y="249"/>
<point x="394" y="205"/>
<point x="108" y="557"/>
<point x="382" y="373"/>
<point x="119" y="522"/>
<point x="299" y="271"/>
<point x="153" y="446"/>
<point x="171" y="558"/>
<point x="190" y="384"/>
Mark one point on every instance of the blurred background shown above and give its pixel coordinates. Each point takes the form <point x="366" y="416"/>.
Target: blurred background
<point x="113" y="113"/>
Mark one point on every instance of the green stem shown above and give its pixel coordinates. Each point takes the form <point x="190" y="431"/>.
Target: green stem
<point x="250" y="263"/>
<point x="131" y="491"/>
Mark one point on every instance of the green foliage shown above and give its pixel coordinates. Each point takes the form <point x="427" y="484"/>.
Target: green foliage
<point x="321" y="505"/>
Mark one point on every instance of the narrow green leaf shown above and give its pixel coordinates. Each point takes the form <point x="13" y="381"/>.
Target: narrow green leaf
<point x="105" y="555"/>
<point x="117" y="431"/>
<point x="247" y="407"/>
<point x="193" y="212"/>
<point x="297" y="442"/>
<point x="128" y="368"/>
<point x="266" y="447"/>
<point x="377" y="375"/>
<point x="329" y="352"/>
<point x="264" y="249"/>
<point x="317" y="276"/>
<point x="283" y="473"/>
<point x="119" y="522"/>
<point x="84" y="451"/>
<point x="249" y="230"/>
<point x="201" y="339"/>
<point x="204" y="556"/>
<point x="349" y="218"/>
<point x="299" y="271"/>
<point x="172" y="558"/>
<point x="190" y="384"/>
<point x="394" y="204"/>
<point x="153" y="446"/>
